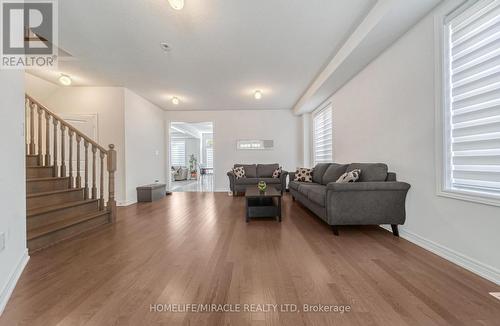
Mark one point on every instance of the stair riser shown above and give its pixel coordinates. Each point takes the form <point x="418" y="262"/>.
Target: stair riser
<point x="59" y="235"/>
<point x="31" y="161"/>
<point x="60" y="215"/>
<point x="43" y="172"/>
<point x="54" y="199"/>
<point x="46" y="185"/>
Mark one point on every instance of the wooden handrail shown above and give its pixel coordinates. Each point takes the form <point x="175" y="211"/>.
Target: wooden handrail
<point x="61" y="120"/>
<point x="48" y="154"/>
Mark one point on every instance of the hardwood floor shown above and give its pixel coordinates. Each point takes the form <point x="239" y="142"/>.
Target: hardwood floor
<point x="197" y="248"/>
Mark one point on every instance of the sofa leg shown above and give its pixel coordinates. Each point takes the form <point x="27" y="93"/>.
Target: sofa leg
<point x="293" y="198"/>
<point x="395" y="230"/>
<point x="335" y="230"/>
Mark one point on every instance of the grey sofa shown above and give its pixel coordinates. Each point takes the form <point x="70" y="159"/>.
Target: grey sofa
<point x="255" y="173"/>
<point x="376" y="198"/>
<point x="179" y="173"/>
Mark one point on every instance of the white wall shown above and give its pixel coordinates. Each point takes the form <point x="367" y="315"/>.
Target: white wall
<point x="387" y="114"/>
<point x="229" y="126"/>
<point x="108" y="104"/>
<point x="14" y="256"/>
<point x="131" y="123"/>
<point x="144" y="144"/>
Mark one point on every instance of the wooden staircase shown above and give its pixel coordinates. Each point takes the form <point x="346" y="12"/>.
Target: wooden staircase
<point x="67" y="192"/>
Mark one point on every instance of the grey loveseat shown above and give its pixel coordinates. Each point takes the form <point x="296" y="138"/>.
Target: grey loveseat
<point x="255" y="173"/>
<point x="376" y="198"/>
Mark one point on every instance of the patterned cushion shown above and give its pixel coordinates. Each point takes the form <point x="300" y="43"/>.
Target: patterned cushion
<point x="250" y="170"/>
<point x="303" y="175"/>
<point x="351" y="176"/>
<point x="239" y="172"/>
<point x="277" y="172"/>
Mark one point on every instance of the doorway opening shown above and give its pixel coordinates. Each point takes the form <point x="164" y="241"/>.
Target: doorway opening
<point x="191" y="157"/>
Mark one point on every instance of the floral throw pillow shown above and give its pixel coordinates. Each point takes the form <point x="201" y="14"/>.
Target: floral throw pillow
<point x="351" y="176"/>
<point x="239" y="172"/>
<point x="303" y="175"/>
<point x="277" y="172"/>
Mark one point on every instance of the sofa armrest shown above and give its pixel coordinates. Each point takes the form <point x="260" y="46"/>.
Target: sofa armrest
<point x="368" y="186"/>
<point x="292" y="175"/>
<point x="231" y="177"/>
<point x="283" y="176"/>
<point x="366" y="203"/>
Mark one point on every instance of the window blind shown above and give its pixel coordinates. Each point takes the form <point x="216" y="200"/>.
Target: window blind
<point x="178" y="152"/>
<point x="473" y="108"/>
<point x="322" y="136"/>
<point x="210" y="157"/>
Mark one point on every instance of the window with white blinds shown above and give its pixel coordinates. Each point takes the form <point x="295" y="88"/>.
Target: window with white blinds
<point x="472" y="103"/>
<point x="210" y="157"/>
<point x="178" y="152"/>
<point x="322" y="136"/>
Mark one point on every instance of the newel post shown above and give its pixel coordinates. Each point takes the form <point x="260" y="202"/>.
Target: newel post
<point x="111" y="174"/>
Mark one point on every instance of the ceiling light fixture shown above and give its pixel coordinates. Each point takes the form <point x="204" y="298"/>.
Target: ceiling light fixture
<point x="257" y="94"/>
<point x="176" y="4"/>
<point x="175" y="101"/>
<point x="65" y="80"/>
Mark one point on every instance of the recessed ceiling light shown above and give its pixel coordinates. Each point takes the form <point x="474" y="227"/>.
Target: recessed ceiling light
<point x="175" y="101"/>
<point x="65" y="80"/>
<point x="176" y="4"/>
<point x="257" y="94"/>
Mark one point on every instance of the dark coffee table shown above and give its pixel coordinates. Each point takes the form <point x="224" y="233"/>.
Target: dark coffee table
<point x="263" y="204"/>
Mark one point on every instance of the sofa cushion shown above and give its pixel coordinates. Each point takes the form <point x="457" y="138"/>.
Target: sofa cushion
<point x="277" y="173"/>
<point x="318" y="171"/>
<point x="250" y="170"/>
<point x="254" y="181"/>
<point x="303" y="175"/>
<point x="239" y="172"/>
<point x="294" y="185"/>
<point x="266" y="170"/>
<point x="370" y="172"/>
<point x="333" y="173"/>
<point x="317" y="195"/>
<point x="313" y="192"/>
<point x="348" y="177"/>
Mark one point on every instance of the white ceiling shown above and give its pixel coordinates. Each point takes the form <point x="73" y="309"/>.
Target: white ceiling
<point x="221" y="50"/>
<point x="297" y="52"/>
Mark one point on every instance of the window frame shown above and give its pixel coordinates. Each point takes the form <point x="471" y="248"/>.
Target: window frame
<point x="328" y="106"/>
<point x="442" y="111"/>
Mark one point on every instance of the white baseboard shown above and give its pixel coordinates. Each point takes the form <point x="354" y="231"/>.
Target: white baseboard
<point x="125" y="203"/>
<point x="488" y="272"/>
<point x="11" y="283"/>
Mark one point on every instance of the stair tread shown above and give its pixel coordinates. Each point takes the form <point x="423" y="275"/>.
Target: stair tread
<point x="40" y="167"/>
<point x="38" y="232"/>
<point x="32" y="155"/>
<point x="45" y="193"/>
<point x="45" y="179"/>
<point x="47" y="209"/>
